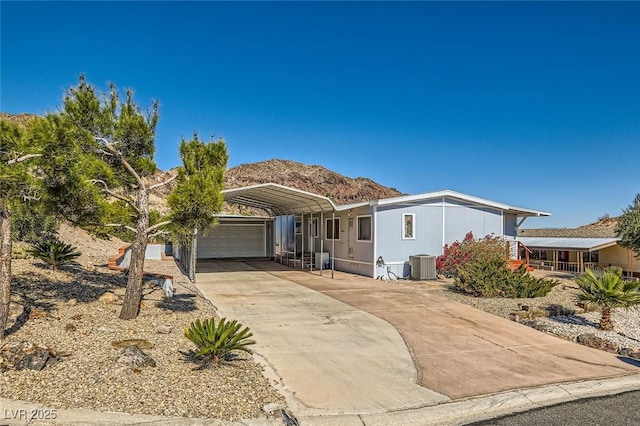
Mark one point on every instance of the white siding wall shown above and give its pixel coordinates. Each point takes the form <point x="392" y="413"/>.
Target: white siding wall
<point x="436" y="223"/>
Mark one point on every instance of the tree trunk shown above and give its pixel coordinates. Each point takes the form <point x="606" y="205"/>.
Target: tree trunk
<point x="133" y="294"/>
<point x="605" y="321"/>
<point x="5" y="268"/>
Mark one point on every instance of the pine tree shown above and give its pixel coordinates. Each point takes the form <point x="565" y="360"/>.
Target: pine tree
<point x="103" y="149"/>
<point x="17" y="186"/>
<point x="628" y="227"/>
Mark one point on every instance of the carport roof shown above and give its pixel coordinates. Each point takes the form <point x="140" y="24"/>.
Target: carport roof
<point x="278" y="199"/>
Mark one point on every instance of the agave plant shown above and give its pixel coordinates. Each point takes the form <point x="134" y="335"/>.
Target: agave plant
<point x="55" y="253"/>
<point x="608" y="290"/>
<point x="217" y="342"/>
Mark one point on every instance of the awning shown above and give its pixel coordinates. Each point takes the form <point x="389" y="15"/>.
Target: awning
<point x="588" y="244"/>
<point x="279" y="200"/>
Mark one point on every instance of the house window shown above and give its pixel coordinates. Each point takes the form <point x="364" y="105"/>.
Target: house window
<point x="332" y="232"/>
<point x="364" y="228"/>
<point x="313" y="228"/>
<point x="591" y="256"/>
<point x="408" y="226"/>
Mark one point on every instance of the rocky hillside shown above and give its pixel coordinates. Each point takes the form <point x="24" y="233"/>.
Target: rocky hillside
<point x="20" y="119"/>
<point x="603" y="228"/>
<point x="317" y="179"/>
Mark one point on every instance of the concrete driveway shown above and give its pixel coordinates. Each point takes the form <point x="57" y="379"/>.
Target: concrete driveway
<point x="354" y="344"/>
<point x="331" y="358"/>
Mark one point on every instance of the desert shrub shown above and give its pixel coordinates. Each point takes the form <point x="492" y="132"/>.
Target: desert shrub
<point x="469" y="250"/>
<point x="55" y="253"/>
<point x="218" y="342"/>
<point x="493" y="278"/>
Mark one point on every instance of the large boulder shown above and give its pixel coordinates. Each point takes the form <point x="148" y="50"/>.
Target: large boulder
<point x="133" y="357"/>
<point x="24" y="356"/>
<point x="593" y="341"/>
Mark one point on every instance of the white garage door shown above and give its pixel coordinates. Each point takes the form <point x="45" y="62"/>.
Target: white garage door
<point x="233" y="241"/>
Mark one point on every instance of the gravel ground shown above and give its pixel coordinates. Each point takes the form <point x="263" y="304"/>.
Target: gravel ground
<point x="68" y="317"/>
<point x="562" y="297"/>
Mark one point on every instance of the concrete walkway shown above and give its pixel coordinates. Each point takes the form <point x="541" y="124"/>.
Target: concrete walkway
<point x="460" y="351"/>
<point x="332" y="358"/>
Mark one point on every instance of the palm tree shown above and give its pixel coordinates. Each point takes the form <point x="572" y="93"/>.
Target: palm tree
<point x="608" y="290"/>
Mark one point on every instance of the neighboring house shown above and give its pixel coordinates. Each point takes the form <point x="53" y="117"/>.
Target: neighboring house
<point x="308" y="230"/>
<point x="575" y="250"/>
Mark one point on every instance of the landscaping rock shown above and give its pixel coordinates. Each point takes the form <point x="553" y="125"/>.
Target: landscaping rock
<point x="72" y="302"/>
<point x="593" y="341"/>
<point x="133" y="357"/>
<point x="70" y="327"/>
<point x="103" y="329"/>
<point x="164" y="329"/>
<point x="23" y="356"/>
<point x="35" y="313"/>
<point x="108" y="298"/>
<point x="629" y="353"/>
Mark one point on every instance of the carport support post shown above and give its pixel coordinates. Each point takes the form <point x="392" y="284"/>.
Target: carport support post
<point x="302" y="240"/>
<point x="313" y="243"/>
<point x="333" y="243"/>
<point x="321" y="241"/>
<point x="281" y="240"/>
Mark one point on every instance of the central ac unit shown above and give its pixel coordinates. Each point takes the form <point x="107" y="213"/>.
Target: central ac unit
<point x="423" y="267"/>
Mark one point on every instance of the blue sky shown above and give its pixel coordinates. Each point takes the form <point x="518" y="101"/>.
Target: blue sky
<point x="531" y="104"/>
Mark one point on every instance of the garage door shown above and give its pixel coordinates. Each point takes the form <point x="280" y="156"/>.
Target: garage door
<point x="233" y="241"/>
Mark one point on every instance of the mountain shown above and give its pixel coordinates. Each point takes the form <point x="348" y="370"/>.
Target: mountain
<point x="317" y="179"/>
<point x="312" y="178"/>
<point x="603" y="228"/>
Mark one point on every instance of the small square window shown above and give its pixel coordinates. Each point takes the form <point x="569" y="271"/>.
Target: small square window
<point x="332" y="232"/>
<point x="408" y="226"/>
<point x="364" y="228"/>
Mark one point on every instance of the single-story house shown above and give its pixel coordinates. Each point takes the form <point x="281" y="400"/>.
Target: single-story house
<point x="574" y="250"/>
<point x="309" y="231"/>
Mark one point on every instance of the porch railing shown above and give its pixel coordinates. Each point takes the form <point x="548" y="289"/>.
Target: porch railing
<point x="574" y="267"/>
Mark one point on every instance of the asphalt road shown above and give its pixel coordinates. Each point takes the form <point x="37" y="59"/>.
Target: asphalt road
<point x="616" y="410"/>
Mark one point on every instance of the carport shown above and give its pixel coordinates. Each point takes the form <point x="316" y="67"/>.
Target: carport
<point x="292" y="211"/>
<point x="289" y="207"/>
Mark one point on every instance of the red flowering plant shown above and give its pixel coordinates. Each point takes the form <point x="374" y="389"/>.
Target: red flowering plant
<point x="469" y="250"/>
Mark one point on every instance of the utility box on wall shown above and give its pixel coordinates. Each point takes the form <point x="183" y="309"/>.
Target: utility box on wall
<point x="423" y="267"/>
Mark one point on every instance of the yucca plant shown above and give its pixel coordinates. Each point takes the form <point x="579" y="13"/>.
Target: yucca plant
<point x="217" y="342"/>
<point x="55" y="253"/>
<point x="608" y="290"/>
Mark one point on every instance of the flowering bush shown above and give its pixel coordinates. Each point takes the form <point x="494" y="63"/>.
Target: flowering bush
<point x="469" y="250"/>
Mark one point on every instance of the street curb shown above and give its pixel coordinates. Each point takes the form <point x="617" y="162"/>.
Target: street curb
<point x="449" y="413"/>
<point x="485" y="407"/>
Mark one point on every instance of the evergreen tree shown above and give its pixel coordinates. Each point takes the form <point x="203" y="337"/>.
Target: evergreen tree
<point x="17" y="187"/>
<point x="103" y="149"/>
<point x="628" y="227"/>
